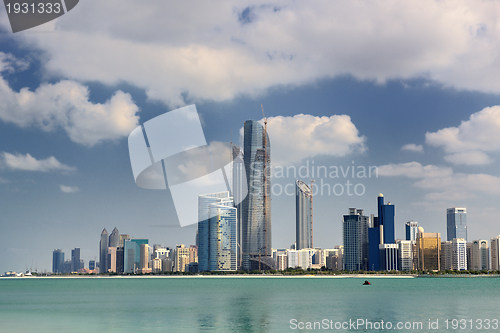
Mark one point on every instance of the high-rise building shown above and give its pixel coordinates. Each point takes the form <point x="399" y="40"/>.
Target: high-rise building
<point x="381" y="232"/>
<point x="114" y="238"/>
<point x="120" y="260"/>
<point x="122" y="239"/>
<point x="181" y="258"/>
<point x="479" y="255"/>
<point x="75" y="259"/>
<point x="389" y="257"/>
<point x="256" y="215"/>
<point x="495" y="253"/>
<point x="293" y="258"/>
<point x="458" y="254"/>
<point x="103" y="251"/>
<point x="132" y="254"/>
<point x="456" y="223"/>
<point x="92" y="265"/>
<point x="355" y="235"/>
<point x="411" y="229"/>
<point x="57" y="261"/>
<point x="112" y="255"/>
<point x="144" y="256"/>
<point x="239" y="191"/>
<point x="446" y="255"/>
<point x="303" y="215"/>
<point x="429" y="250"/>
<point x="223" y="237"/>
<point x="405" y="255"/>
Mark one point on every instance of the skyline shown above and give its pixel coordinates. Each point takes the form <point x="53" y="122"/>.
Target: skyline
<point x="412" y="92"/>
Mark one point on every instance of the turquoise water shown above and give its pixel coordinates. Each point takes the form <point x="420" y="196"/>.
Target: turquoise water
<point x="210" y="304"/>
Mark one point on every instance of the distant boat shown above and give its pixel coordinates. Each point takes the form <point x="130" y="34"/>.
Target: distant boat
<point x="366" y="283"/>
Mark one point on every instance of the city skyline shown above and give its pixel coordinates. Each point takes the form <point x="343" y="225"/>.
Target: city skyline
<point x="418" y="103"/>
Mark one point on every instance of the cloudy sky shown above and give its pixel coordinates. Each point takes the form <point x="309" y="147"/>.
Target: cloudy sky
<point x="409" y="88"/>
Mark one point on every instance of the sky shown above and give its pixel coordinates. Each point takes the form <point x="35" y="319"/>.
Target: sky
<point x="409" y="90"/>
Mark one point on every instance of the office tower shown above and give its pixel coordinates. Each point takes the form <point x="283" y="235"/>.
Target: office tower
<point x="67" y="266"/>
<point x="103" y="251"/>
<point x="166" y="265"/>
<point x="239" y="191"/>
<point x="181" y="258"/>
<point x="305" y="258"/>
<point x="256" y="223"/>
<point x="446" y="256"/>
<point x="381" y="232"/>
<point x="389" y="257"/>
<point x="120" y="260"/>
<point x="132" y="254"/>
<point x="57" y="261"/>
<point x="293" y="258"/>
<point x="223" y="237"/>
<point x="459" y="254"/>
<point x="111" y="260"/>
<point x="411" y="228"/>
<point x="75" y="260"/>
<point x="495" y="253"/>
<point x="456" y="223"/>
<point x="405" y="255"/>
<point x="303" y="215"/>
<point x="355" y="235"/>
<point x="122" y="239"/>
<point x="206" y="211"/>
<point x="429" y="250"/>
<point x="479" y="255"/>
<point x="114" y="238"/>
<point x="193" y="254"/>
<point x="92" y="265"/>
<point x="144" y="250"/>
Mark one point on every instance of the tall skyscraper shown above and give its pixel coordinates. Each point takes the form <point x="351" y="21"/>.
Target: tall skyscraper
<point x="256" y="223"/>
<point x="429" y="250"/>
<point x="217" y="232"/>
<point x="381" y="232"/>
<point x="239" y="192"/>
<point x="57" y="261"/>
<point x="303" y="215"/>
<point x="355" y="235"/>
<point x="103" y="251"/>
<point x="75" y="260"/>
<point x="114" y="238"/>
<point x="411" y="229"/>
<point x="456" y="223"/>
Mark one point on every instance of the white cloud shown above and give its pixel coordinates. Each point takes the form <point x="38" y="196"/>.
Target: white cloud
<point x="413" y="147"/>
<point x="304" y="136"/>
<point x="66" y="105"/>
<point x="4" y="181"/>
<point x="467" y="143"/>
<point x="69" y="189"/>
<point x="461" y="182"/>
<point x="210" y="50"/>
<point x="414" y="170"/>
<point x="29" y="163"/>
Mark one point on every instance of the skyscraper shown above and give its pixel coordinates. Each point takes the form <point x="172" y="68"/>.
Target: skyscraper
<point x="75" y="260"/>
<point x="411" y="228"/>
<point x="459" y="254"/>
<point x="256" y="223"/>
<point x="57" y="261"/>
<point x="355" y="235"/>
<point x="381" y="232"/>
<point x="495" y="253"/>
<point x="239" y="191"/>
<point x="103" y="251"/>
<point x="114" y="238"/>
<point x="429" y="250"/>
<point x="303" y="215"/>
<point x="217" y="232"/>
<point x="479" y="255"/>
<point x="456" y="223"/>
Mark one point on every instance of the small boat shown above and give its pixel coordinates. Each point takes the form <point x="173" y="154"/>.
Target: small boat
<point x="366" y="283"/>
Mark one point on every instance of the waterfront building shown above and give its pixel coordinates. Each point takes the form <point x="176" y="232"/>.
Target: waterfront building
<point x="120" y="260"/>
<point x="355" y="236"/>
<point x="293" y="258"/>
<point x="381" y="232"/>
<point x="282" y="261"/>
<point x="479" y="251"/>
<point x="103" y="251"/>
<point x="67" y="266"/>
<point x="405" y="255"/>
<point x="256" y="216"/>
<point x="75" y="260"/>
<point x="92" y="265"/>
<point x="114" y="238"/>
<point x="112" y="251"/>
<point x="122" y="238"/>
<point x="446" y="255"/>
<point x="306" y="258"/>
<point x="411" y="229"/>
<point x="303" y="215"/>
<point x="495" y="253"/>
<point x="456" y="223"/>
<point x="429" y="250"/>
<point x="389" y="257"/>
<point x="156" y="265"/>
<point x="181" y="258"/>
<point x="57" y="261"/>
<point x="239" y="192"/>
<point x="144" y="256"/>
<point x="459" y="254"/>
<point x="167" y="265"/>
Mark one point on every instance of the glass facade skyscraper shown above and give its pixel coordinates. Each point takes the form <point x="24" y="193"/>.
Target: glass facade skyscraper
<point x="456" y="223"/>
<point x="355" y="235"/>
<point x="239" y="191"/>
<point x="103" y="251"/>
<point x="303" y="215"/>
<point x="57" y="261"/>
<point x="256" y="215"/>
<point x="411" y="229"/>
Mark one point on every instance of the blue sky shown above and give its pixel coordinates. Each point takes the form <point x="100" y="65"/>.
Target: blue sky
<point x="343" y="84"/>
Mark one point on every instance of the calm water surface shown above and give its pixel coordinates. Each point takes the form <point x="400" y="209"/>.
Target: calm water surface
<point x="210" y="304"/>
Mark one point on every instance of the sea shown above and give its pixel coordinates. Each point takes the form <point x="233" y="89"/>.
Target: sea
<point x="249" y="304"/>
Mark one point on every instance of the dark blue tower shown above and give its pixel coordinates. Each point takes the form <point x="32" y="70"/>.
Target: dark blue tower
<point x="384" y="220"/>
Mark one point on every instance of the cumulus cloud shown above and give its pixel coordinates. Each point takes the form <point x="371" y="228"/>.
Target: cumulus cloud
<point x="467" y="143"/>
<point x="69" y="189"/>
<point x="413" y="147"/>
<point x="414" y="170"/>
<point x="66" y="105"/>
<point x="29" y="163"/>
<point x="304" y="136"/>
<point x="218" y="50"/>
